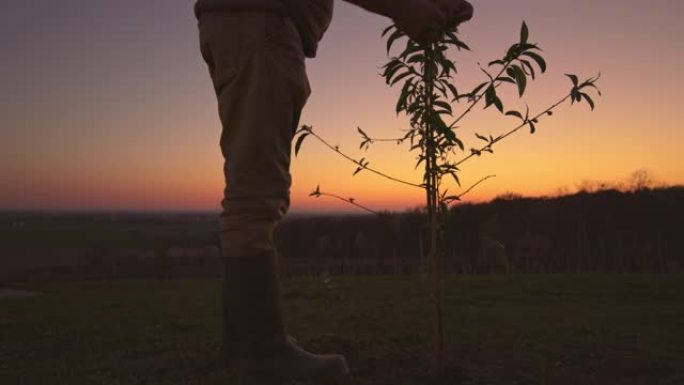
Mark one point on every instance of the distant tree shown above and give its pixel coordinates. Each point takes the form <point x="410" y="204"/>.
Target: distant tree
<point x="641" y="180"/>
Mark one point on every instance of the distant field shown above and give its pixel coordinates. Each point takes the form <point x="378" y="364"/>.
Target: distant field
<point x="554" y="329"/>
<point x="53" y="242"/>
<point x="103" y="231"/>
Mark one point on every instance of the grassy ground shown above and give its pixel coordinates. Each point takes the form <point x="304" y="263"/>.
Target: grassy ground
<point x="569" y="329"/>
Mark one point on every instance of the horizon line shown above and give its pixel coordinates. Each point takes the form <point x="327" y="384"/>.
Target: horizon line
<point x="294" y="212"/>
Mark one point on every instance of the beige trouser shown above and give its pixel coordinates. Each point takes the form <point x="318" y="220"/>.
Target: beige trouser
<point x="256" y="63"/>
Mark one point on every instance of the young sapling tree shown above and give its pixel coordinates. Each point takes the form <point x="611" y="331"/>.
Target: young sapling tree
<point x="428" y="93"/>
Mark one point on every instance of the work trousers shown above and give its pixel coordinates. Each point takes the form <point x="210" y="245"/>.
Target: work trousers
<point x="256" y="63"/>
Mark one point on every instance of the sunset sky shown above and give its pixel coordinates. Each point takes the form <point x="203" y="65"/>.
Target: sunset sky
<point x="107" y="105"/>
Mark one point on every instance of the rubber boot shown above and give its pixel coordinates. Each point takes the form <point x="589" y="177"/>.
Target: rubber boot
<point x="229" y="342"/>
<point x="252" y="307"/>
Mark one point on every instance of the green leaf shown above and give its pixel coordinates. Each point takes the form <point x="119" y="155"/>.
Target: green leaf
<point x="575" y="80"/>
<point x="393" y="37"/>
<point x="520" y="78"/>
<point x="439" y="85"/>
<point x="458" y="141"/>
<point x="390" y="68"/>
<point x="528" y="67"/>
<point x="522" y="82"/>
<point x="479" y="88"/>
<point x="591" y="83"/>
<point x="443" y="104"/>
<point x="505" y="79"/>
<point x="460" y="45"/>
<point x="453" y="90"/>
<point x="515" y="113"/>
<point x="300" y="140"/>
<point x="524" y="34"/>
<point x="397" y="79"/>
<point x="304" y="128"/>
<point x="512" y="53"/>
<point x="393" y="61"/>
<point x="411" y="49"/>
<point x="391" y="71"/>
<point x="416" y="58"/>
<point x="537" y="58"/>
<point x="401" y="102"/>
<point x="421" y="159"/>
<point x="455" y="176"/>
<point x="447" y="67"/>
<point x="415" y="108"/>
<point x="490" y="95"/>
<point x="499" y="104"/>
<point x="574" y="95"/>
<point x="386" y="30"/>
<point x="438" y="123"/>
<point x="527" y="47"/>
<point x="589" y="100"/>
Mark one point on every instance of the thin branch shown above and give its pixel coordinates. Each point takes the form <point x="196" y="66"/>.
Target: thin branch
<point x="513" y="131"/>
<point x="397" y="140"/>
<point x="471" y="188"/>
<point x="356" y="162"/>
<point x="350" y="201"/>
<point x="370" y="140"/>
<point x="482" y="94"/>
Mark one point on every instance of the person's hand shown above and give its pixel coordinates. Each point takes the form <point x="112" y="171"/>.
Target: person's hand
<point x="422" y="20"/>
<point x="458" y="11"/>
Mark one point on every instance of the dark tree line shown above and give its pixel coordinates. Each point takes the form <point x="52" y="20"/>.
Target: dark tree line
<point x="609" y="230"/>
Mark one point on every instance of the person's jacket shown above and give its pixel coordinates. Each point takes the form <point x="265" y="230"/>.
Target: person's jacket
<point x="312" y="17"/>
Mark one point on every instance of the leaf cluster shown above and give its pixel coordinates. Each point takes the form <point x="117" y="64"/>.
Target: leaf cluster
<point x="428" y="95"/>
<point x="579" y="90"/>
<point x="428" y="91"/>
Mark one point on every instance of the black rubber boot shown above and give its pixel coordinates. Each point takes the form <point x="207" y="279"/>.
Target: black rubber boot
<point x="229" y="342"/>
<point x="252" y="309"/>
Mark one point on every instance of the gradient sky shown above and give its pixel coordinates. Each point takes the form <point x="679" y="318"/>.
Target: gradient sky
<point x="107" y="104"/>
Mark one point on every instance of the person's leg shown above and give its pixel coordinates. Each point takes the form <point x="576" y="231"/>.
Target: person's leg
<point x="257" y="67"/>
<point x="260" y="80"/>
<point x="260" y="98"/>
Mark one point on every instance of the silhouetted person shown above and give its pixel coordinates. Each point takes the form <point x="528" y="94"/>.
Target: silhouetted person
<point x="255" y="51"/>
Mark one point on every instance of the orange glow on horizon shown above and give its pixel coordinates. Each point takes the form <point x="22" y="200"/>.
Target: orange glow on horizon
<point x="136" y="127"/>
